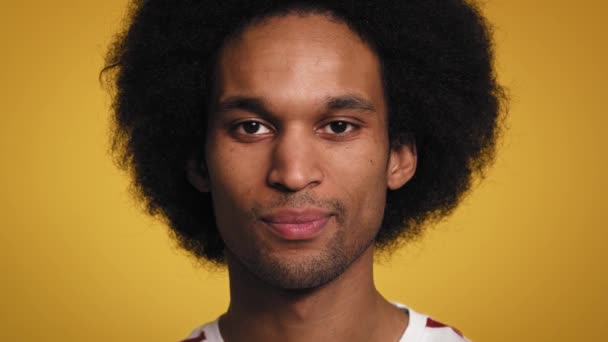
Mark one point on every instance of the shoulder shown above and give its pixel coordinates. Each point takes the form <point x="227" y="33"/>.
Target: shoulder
<point x="439" y="332"/>
<point x="422" y="328"/>
<point x="208" y="332"/>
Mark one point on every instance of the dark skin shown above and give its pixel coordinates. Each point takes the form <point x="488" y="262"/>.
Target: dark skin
<point x="298" y="163"/>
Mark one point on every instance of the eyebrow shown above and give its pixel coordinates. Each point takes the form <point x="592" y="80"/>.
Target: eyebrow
<point x="258" y="106"/>
<point x="349" y="102"/>
<point x="248" y="104"/>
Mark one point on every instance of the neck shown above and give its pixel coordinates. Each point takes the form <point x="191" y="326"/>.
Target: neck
<point x="349" y="308"/>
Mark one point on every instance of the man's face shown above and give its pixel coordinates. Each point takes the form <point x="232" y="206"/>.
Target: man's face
<point x="297" y="152"/>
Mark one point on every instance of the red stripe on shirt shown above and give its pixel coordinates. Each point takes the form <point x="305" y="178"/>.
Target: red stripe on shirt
<point x="431" y="323"/>
<point x="199" y="338"/>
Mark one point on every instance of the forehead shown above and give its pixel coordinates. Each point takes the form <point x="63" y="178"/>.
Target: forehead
<point x="299" y="55"/>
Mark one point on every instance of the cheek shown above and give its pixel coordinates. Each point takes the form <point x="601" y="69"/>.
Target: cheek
<point x="361" y="181"/>
<point x="231" y="199"/>
<point x="233" y="169"/>
<point x="230" y="177"/>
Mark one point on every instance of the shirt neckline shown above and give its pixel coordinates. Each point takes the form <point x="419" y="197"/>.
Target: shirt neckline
<point x="412" y="333"/>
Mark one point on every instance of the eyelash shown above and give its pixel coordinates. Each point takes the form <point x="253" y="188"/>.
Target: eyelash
<point x="239" y="127"/>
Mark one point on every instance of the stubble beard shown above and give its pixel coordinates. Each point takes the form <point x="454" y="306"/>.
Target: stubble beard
<point x="304" y="272"/>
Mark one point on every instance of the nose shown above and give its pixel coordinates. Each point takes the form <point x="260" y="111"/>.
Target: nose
<point x="296" y="163"/>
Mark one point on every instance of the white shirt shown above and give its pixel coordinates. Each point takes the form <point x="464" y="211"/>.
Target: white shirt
<point x="421" y="328"/>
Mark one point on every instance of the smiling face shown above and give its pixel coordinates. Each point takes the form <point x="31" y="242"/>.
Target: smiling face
<point x="297" y="151"/>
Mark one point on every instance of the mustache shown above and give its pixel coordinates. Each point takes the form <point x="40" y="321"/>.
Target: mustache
<point x="333" y="205"/>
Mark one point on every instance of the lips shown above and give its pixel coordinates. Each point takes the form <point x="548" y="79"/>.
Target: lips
<point x="297" y="223"/>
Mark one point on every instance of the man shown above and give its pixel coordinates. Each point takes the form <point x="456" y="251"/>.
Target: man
<point x="290" y="140"/>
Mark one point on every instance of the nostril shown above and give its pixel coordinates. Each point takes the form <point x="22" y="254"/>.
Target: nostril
<point x="281" y="187"/>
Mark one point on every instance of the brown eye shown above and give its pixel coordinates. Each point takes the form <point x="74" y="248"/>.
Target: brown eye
<point x="339" y="127"/>
<point x="252" y="128"/>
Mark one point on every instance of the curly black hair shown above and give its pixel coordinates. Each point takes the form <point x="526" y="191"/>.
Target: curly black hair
<point x="440" y="85"/>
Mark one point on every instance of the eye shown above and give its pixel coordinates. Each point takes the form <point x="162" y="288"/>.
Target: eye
<point x="252" y="128"/>
<point x="338" y="127"/>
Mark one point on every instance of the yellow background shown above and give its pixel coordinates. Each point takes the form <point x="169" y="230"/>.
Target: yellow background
<point x="523" y="259"/>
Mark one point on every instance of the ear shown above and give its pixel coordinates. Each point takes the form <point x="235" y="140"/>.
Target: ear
<point x="197" y="174"/>
<point x="401" y="165"/>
